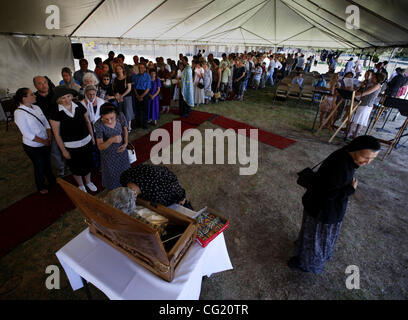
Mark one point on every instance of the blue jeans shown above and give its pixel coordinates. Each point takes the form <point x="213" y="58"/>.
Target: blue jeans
<point x="269" y="77"/>
<point x="246" y="84"/>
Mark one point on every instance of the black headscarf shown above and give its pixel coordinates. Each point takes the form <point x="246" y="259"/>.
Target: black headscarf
<point x="364" y="142"/>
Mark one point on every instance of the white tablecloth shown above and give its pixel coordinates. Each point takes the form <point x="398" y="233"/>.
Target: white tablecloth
<point x="119" y="277"/>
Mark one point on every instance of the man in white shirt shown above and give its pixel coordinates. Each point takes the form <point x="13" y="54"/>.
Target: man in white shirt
<point x="349" y="66"/>
<point x="278" y="66"/>
<point x="270" y="70"/>
<point x="267" y="61"/>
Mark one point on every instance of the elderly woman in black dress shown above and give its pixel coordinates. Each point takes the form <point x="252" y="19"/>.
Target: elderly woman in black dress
<point x="74" y="135"/>
<point x="325" y="203"/>
<point x="112" y="138"/>
<point x="155" y="183"/>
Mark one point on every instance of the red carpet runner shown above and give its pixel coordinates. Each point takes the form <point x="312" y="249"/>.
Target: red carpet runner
<point x="34" y="213"/>
<point x="263" y="136"/>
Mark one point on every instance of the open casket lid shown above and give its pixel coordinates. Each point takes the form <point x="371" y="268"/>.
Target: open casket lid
<point x="135" y="234"/>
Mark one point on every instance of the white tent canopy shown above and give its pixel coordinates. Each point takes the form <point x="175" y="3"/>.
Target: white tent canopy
<point x="167" y="27"/>
<point x="271" y="23"/>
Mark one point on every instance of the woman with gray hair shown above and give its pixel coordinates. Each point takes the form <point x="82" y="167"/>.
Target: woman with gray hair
<point x="92" y="103"/>
<point x="88" y="79"/>
<point x="68" y="80"/>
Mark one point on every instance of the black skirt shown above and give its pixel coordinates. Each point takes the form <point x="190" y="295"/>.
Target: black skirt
<point x="81" y="161"/>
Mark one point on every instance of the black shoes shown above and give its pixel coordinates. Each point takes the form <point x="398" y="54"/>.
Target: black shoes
<point x="293" y="263"/>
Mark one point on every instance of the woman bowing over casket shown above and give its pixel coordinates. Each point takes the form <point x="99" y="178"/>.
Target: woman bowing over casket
<point x="155" y="183"/>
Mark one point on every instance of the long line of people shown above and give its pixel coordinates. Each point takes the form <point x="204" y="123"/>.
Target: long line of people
<point x="139" y="93"/>
<point x="70" y="117"/>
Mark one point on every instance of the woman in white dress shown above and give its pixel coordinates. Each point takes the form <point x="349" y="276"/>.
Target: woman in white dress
<point x="198" y="79"/>
<point x="207" y="83"/>
<point x="367" y="95"/>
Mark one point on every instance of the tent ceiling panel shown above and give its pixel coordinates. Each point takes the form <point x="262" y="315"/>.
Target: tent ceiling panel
<point x="324" y="26"/>
<point x="233" y="24"/>
<point x="29" y="17"/>
<point x="382" y="22"/>
<point x="369" y="23"/>
<point x="393" y="10"/>
<point x="127" y="12"/>
<point x="337" y="23"/>
<point x="165" y="17"/>
<point x="197" y="19"/>
<point x="241" y="36"/>
<point x="312" y="38"/>
<point x="284" y="27"/>
<point x="231" y="19"/>
<point x="266" y="14"/>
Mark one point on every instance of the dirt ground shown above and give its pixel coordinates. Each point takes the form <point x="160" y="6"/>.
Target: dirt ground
<point x="265" y="212"/>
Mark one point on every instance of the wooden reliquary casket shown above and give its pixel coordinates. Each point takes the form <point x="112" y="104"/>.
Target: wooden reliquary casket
<point x="138" y="240"/>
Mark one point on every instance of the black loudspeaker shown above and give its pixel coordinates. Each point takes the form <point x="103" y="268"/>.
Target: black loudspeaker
<point x="77" y="50"/>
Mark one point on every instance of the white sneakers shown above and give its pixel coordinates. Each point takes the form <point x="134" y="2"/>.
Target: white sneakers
<point x="90" y="186"/>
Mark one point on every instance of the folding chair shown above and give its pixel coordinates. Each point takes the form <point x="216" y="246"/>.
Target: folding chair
<point x="281" y="91"/>
<point x="294" y="92"/>
<point x="9" y="106"/>
<point x="307" y="93"/>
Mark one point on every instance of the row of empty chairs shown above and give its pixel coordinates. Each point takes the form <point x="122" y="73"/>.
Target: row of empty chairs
<point x="292" y="91"/>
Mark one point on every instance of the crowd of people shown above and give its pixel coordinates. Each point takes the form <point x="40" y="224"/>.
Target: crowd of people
<point x="84" y="123"/>
<point x="90" y="110"/>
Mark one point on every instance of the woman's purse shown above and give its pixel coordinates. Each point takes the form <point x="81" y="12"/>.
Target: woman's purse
<point x="200" y="84"/>
<point x="209" y="93"/>
<point x="307" y="176"/>
<point x="130" y="147"/>
<point x="167" y="83"/>
<point x="132" y="152"/>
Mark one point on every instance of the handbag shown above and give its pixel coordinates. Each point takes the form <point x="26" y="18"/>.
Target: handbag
<point x="200" y="84"/>
<point x="167" y="83"/>
<point x="131" y="152"/>
<point x="208" y="93"/>
<point x="217" y="95"/>
<point x="306" y="177"/>
<point x="130" y="147"/>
